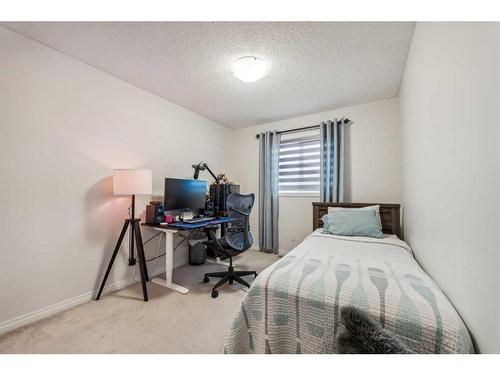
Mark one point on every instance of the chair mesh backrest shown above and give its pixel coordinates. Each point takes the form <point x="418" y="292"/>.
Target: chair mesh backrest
<point x="238" y="234"/>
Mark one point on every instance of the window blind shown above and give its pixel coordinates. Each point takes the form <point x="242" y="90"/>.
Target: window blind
<point x="299" y="165"/>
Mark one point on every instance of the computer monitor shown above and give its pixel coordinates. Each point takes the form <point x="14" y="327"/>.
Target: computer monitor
<point x="185" y="194"/>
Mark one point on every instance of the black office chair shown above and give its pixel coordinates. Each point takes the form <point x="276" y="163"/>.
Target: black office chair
<point x="237" y="240"/>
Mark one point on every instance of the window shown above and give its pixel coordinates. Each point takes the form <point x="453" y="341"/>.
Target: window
<point x="299" y="165"/>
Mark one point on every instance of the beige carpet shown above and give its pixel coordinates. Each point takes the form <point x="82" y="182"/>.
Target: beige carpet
<point x="122" y="323"/>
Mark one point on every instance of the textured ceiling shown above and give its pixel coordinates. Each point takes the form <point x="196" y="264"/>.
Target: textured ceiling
<point x="314" y="66"/>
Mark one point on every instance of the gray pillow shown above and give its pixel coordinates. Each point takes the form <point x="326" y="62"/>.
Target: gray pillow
<point x="352" y="223"/>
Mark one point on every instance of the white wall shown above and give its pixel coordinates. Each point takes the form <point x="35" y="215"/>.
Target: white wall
<point x="64" y="127"/>
<point x="373" y="166"/>
<point x="451" y="150"/>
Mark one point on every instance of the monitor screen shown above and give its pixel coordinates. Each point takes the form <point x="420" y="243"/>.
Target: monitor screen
<point x="184" y="194"/>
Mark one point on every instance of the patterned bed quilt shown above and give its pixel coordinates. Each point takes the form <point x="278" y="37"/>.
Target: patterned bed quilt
<point x="293" y="305"/>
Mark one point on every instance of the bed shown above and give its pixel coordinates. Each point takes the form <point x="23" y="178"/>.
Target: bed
<point x="293" y="305"/>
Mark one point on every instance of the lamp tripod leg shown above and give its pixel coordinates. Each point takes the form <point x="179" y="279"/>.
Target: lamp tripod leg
<point x="140" y="248"/>
<point x="110" y="265"/>
<point x="142" y="259"/>
<point x="146" y="274"/>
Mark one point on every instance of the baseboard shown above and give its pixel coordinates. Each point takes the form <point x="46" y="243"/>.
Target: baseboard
<point x="45" y="312"/>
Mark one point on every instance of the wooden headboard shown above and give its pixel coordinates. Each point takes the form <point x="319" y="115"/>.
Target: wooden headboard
<point x="389" y="214"/>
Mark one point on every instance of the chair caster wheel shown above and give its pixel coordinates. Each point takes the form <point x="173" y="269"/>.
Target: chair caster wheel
<point x="205" y="279"/>
<point x="215" y="294"/>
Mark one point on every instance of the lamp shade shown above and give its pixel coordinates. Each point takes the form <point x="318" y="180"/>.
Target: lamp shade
<point x="132" y="182"/>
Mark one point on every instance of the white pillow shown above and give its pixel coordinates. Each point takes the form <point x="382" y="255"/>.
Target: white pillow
<point x="375" y="208"/>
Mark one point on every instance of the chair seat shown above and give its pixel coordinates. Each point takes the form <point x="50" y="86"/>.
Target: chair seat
<point x="229" y="250"/>
<point x="224" y="243"/>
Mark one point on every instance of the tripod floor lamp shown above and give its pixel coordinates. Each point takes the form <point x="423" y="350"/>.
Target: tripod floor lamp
<point x="131" y="182"/>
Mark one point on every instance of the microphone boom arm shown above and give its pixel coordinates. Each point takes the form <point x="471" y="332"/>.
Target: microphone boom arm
<point x="201" y="167"/>
<point x="212" y="173"/>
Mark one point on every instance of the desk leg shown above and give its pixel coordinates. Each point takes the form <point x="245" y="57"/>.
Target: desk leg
<point x="169" y="267"/>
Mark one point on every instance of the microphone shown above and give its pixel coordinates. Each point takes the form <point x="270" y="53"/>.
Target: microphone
<point x="197" y="168"/>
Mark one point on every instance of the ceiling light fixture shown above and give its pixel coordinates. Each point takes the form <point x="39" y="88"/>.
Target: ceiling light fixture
<point x="249" y="68"/>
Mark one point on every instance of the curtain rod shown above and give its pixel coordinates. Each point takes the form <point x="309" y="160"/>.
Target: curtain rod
<point x="346" y="121"/>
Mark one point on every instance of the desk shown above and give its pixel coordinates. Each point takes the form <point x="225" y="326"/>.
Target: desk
<point x="169" y="231"/>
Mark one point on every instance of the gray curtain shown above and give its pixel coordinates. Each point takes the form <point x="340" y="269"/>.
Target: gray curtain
<point x="269" y="145"/>
<point x="332" y="160"/>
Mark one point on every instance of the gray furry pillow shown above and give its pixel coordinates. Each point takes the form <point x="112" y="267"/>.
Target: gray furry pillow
<point x="360" y="334"/>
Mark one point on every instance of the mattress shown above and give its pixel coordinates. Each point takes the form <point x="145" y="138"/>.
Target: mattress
<point x="293" y="305"/>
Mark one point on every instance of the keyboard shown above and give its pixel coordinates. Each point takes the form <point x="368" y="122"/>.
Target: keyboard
<point x="198" y="220"/>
